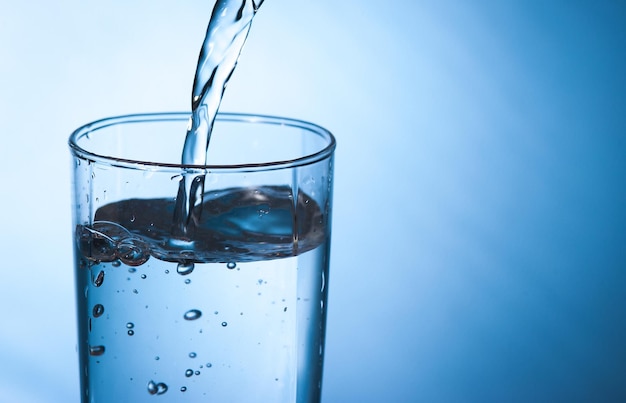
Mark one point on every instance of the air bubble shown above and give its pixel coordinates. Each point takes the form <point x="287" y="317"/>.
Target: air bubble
<point x="156" y="388"/>
<point x="98" y="310"/>
<point x="231" y="265"/>
<point x="192" y="314"/>
<point x="132" y="251"/>
<point x="184" y="268"/>
<point x="96" y="350"/>
<point x="97" y="281"/>
<point x="97" y="243"/>
<point x="189" y="373"/>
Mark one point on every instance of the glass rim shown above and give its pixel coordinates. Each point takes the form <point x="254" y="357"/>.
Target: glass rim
<point x="306" y="159"/>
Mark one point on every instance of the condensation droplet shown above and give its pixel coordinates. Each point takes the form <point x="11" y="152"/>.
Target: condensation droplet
<point x="187" y="281"/>
<point x="189" y="373"/>
<point x="209" y="365"/>
<point x="143" y="276"/>
<point x="116" y="263"/>
<point x="192" y="314"/>
<point x="130" y="325"/>
<point x="231" y="265"/>
<point x="98" y="310"/>
<point x="183" y="388"/>
<point x="131" y="332"/>
<point x="224" y="324"/>
<point x="197" y="372"/>
<point x="96" y="350"/>
<point x="184" y="268"/>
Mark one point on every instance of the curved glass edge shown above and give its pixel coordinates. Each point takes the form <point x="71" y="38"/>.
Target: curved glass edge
<point x="182" y="116"/>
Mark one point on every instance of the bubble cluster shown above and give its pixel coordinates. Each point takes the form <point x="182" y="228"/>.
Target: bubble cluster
<point x="156" y="388"/>
<point x="109" y="242"/>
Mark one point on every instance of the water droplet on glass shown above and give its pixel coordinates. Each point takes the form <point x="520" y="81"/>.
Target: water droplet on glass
<point x="224" y="324"/>
<point x="116" y="263"/>
<point x="98" y="310"/>
<point x="97" y="281"/>
<point x="156" y="388"/>
<point x="184" y="268"/>
<point x="187" y="281"/>
<point x="192" y="314"/>
<point x="132" y="270"/>
<point x="188" y="373"/>
<point x="130" y="325"/>
<point x="231" y="265"/>
<point x="192" y="355"/>
<point x="96" y="350"/>
<point x="183" y="388"/>
<point x="197" y="372"/>
<point x="157" y="358"/>
<point x="143" y="276"/>
<point x="131" y="332"/>
<point x="209" y="365"/>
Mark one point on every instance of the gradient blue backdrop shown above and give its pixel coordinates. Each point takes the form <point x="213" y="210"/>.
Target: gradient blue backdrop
<point x="479" y="244"/>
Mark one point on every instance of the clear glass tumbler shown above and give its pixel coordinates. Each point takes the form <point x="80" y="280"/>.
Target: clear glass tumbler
<point x="233" y="308"/>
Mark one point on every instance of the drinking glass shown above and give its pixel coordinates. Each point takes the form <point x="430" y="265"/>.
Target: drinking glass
<point x="224" y="304"/>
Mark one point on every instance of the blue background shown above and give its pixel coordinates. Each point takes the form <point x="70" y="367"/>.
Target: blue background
<point x="479" y="244"/>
